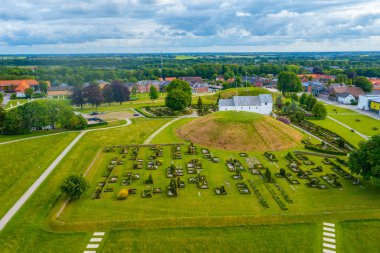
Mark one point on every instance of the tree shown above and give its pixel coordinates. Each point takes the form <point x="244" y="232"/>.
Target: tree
<point x="365" y="161"/>
<point x="279" y="101"/>
<point x="200" y="103"/>
<point x="363" y="83"/>
<point x="268" y="175"/>
<point x="2" y="118"/>
<point x="74" y="186"/>
<point x="181" y="85"/>
<point x="108" y="94"/>
<point x="1" y="98"/>
<point x="176" y="100"/>
<point x="153" y="93"/>
<point x="303" y="98"/>
<point x="289" y="82"/>
<point x="13" y="123"/>
<point x="319" y="111"/>
<point x="43" y="85"/>
<point x="310" y="102"/>
<point x="93" y="94"/>
<point x="120" y="91"/>
<point x="78" y="96"/>
<point x="77" y="122"/>
<point x="29" y="92"/>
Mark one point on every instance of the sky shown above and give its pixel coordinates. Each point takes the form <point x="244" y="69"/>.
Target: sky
<point x="149" y="26"/>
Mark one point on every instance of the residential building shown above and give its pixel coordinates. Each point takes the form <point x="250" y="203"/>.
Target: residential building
<point x="199" y="87"/>
<point x="18" y="86"/>
<point x="59" y="91"/>
<point x="144" y="86"/>
<point x="262" y="104"/>
<point x="335" y="90"/>
<point x="346" y="98"/>
<point x="192" y="79"/>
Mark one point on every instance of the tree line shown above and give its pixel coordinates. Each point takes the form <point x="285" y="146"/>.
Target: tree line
<point x="38" y="115"/>
<point x="92" y="94"/>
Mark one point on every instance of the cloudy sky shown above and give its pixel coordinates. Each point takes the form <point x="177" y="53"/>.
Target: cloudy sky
<point x="93" y="26"/>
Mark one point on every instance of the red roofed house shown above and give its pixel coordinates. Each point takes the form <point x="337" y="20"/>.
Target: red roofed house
<point x="17" y="86"/>
<point x="169" y="79"/>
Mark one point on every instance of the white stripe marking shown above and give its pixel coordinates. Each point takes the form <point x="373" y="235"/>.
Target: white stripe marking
<point x="328" y="239"/>
<point x="329" y="229"/>
<point x="96" y="239"/>
<point x="89" y="251"/>
<point x="92" y="246"/>
<point x="98" y="233"/>
<point x="328" y="245"/>
<point x="328" y="234"/>
<point x="328" y="224"/>
<point x="328" y="251"/>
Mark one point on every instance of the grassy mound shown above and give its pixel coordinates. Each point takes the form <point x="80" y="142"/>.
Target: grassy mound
<point x="243" y="131"/>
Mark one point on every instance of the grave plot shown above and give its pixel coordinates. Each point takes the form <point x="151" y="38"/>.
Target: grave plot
<point x="270" y="157"/>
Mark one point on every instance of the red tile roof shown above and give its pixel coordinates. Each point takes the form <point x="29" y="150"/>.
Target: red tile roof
<point x="30" y="82"/>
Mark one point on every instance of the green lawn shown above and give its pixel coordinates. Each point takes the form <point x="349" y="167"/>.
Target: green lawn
<point x="235" y="208"/>
<point x="294" y="238"/>
<point x="358" y="236"/>
<point x="23" y="162"/>
<point x="351" y="137"/>
<point x="29" y="227"/>
<point x="357" y="121"/>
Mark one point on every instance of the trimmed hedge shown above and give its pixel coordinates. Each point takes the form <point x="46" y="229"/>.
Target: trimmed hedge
<point x="98" y="124"/>
<point x="331" y="152"/>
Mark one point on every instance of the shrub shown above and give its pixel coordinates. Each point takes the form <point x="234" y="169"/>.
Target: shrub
<point x="284" y="120"/>
<point x="123" y="194"/>
<point x="74" y="186"/>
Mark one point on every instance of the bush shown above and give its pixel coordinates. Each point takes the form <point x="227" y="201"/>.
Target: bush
<point x="74" y="186"/>
<point x="123" y="194"/>
<point x="13" y="96"/>
<point x="284" y="120"/>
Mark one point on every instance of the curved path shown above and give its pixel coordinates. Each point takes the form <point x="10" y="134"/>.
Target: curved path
<point x="14" y="209"/>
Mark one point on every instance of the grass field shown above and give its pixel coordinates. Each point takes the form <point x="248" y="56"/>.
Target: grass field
<point x="235" y="208"/>
<point x="23" y="162"/>
<point x="293" y="238"/>
<point x="196" y="221"/>
<point x="351" y="137"/>
<point x="357" y="121"/>
<point x="28" y="228"/>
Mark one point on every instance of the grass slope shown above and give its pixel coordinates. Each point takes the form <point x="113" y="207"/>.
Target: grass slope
<point x="240" y="131"/>
<point x="23" y="162"/>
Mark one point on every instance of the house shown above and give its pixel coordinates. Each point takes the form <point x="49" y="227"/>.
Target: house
<point x="169" y="79"/>
<point x="192" y="79"/>
<point x="334" y="90"/>
<point x="314" y="87"/>
<point x="369" y="103"/>
<point x="18" y="86"/>
<point x="144" y="86"/>
<point x="199" y="87"/>
<point x="346" y="98"/>
<point x="59" y="91"/>
<point x="262" y="104"/>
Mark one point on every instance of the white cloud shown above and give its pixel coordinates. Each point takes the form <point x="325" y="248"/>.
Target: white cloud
<point x="242" y="14"/>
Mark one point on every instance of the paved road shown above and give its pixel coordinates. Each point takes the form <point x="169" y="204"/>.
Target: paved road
<point x="360" y="134"/>
<point x="14" y="209"/>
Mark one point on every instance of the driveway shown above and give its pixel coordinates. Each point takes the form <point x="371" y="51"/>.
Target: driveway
<point x="6" y="99"/>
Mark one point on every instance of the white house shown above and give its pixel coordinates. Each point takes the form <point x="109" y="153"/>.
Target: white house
<point x="261" y="104"/>
<point x="345" y="98"/>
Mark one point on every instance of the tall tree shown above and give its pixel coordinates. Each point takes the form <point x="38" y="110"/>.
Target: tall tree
<point x="153" y="93"/>
<point x="289" y="82"/>
<point x="78" y="96"/>
<point x="200" y="103"/>
<point x="363" y="83"/>
<point x="108" y="94"/>
<point x="176" y="100"/>
<point x="120" y="91"/>
<point x="365" y="161"/>
<point x="319" y="111"/>
<point x="93" y="94"/>
<point x="181" y="85"/>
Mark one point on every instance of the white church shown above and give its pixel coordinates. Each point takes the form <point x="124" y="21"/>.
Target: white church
<point x="262" y="104"/>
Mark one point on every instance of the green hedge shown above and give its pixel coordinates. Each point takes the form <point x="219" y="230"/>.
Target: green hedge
<point x="98" y="124"/>
<point x="331" y="152"/>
